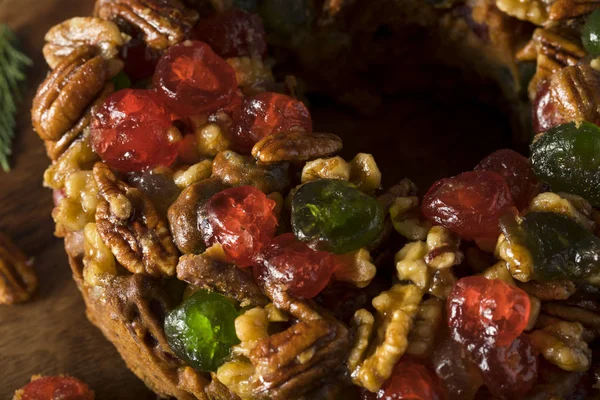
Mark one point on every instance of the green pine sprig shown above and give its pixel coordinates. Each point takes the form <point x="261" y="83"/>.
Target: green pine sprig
<point x="12" y="74"/>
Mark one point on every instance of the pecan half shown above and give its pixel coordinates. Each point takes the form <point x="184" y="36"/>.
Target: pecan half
<point x="162" y="22"/>
<point x="63" y="97"/>
<point x="130" y="225"/>
<point x="295" y="145"/>
<point x="567" y="9"/>
<point x="237" y="170"/>
<point x="554" y="290"/>
<point x="18" y="280"/>
<point x="207" y="273"/>
<point x="64" y="38"/>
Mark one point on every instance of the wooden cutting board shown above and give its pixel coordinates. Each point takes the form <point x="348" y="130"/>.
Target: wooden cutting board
<point x="412" y="136"/>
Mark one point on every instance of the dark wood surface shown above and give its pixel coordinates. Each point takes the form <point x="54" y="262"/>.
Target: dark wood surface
<point x="412" y="136"/>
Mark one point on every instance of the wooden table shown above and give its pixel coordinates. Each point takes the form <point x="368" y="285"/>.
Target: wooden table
<point x="415" y="137"/>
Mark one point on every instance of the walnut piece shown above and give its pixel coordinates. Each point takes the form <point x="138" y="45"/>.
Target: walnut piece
<point x="365" y="173"/>
<point x="78" y="157"/>
<point x="130" y="225"/>
<point x="574" y="207"/>
<point x="535" y="11"/>
<point x="78" y="207"/>
<point x="64" y="38"/>
<point x="326" y="168"/>
<point x="357" y="268"/>
<point x="162" y="22"/>
<point x="295" y="146"/>
<point x="562" y="344"/>
<point x="98" y="261"/>
<point x="236" y="170"/>
<point x="421" y="339"/>
<point x="192" y="174"/>
<point x="65" y="95"/>
<point x="407" y="218"/>
<point x="18" y="280"/>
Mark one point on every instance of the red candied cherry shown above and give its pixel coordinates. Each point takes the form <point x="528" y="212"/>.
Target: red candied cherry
<point x="56" y="388"/>
<point x="132" y="131"/>
<point x="486" y="312"/>
<point x="267" y="113"/>
<point x="292" y="263"/>
<point x="411" y="380"/>
<point x="242" y="220"/>
<point x="517" y="171"/>
<point x="470" y="204"/>
<point x="192" y="79"/>
<point x="234" y="33"/>
<point x="140" y="60"/>
<point x="545" y="113"/>
<point x="508" y="371"/>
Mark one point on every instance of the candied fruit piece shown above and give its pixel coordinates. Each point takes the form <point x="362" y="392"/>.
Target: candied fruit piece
<point x="486" y="312"/>
<point x="568" y="158"/>
<point x="132" y="131"/>
<point x="517" y="171"/>
<point x="56" y="388"/>
<point x="460" y="375"/>
<point x="303" y="270"/>
<point x="411" y="380"/>
<point x="510" y="370"/>
<point x="140" y="60"/>
<point x="335" y="216"/>
<point x="192" y="79"/>
<point x="234" y="33"/>
<point x="545" y="112"/>
<point x="265" y="114"/>
<point x="559" y="247"/>
<point x="469" y="204"/>
<point x="201" y="330"/>
<point x="590" y="34"/>
<point x="242" y="220"/>
<point x="159" y="188"/>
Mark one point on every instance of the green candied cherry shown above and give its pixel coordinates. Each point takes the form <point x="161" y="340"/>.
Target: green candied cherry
<point x="336" y="216"/>
<point x="590" y="34"/>
<point x="201" y="330"/>
<point x="560" y="248"/>
<point x="568" y="158"/>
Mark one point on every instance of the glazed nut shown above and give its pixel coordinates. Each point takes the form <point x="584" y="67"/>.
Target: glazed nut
<point x="396" y="308"/>
<point x="98" y="261"/>
<point x="567" y="9"/>
<point x="130" y="226"/>
<point x="441" y="283"/>
<point x="162" y="22"/>
<point x="326" y="168"/>
<point x="252" y="73"/>
<point x="407" y="219"/>
<point x="71" y="87"/>
<point x="574" y="207"/>
<point x="18" y="280"/>
<point x="64" y="38"/>
<point x="364" y="173"/>
<point x="562" y="345"/>
<point x="236" y="170"/>
<point x="357" y="268"/>
<point x="295" y="146"/>
<point x="404" y="188"/>
<point x="517" y="257"/>
<point x="535" y="11"/>
<point x="499" y="271"/>
<point x="443" y="248"/>
<point x="193" y="173"/>
<point x="552" y="290"/>
<point x="362" y="326"/>
<point x="210" y="140"/>
<point x="237" y="376"/>
<point x="411" y="266"/>
<point x="78" y="157"/>
<point x="421" y="339"/>
<point x="250" y="327"/>
<point x="78" y="207"/>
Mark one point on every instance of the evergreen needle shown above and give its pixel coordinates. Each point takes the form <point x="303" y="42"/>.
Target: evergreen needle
<point x="12" y="75"/>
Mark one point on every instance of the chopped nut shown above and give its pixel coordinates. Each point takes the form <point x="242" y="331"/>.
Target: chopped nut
<point x="207" y="273"/>
<point x="274" y="314"/>
<point x="18" y="280"/>
<point x="210" y="140"/>
<point x="183" y="215"/>
<point x="78" y="207"/>
<point x="362" y="324"/>
<point x="253" y="75"/>
<point x="517" y="257"/>
<point x="562" y="345"/>
<point x="357" y="268"/>
<point x="554" y="290"/>
<point x="441" y="283"/>
<point x="411" y="266"/>
<point x="68" y="91"/>
<point x="364" y="173"/>
<point x="162" y="22"/>
<point x="250" y="327"/>
<point x="421" y="338"/>
<point x="237" y="376"/>
<point x="98" y="261"/>
<point x="499" y="271"/>
<point x="64" y="38"/>
<point x="295" y="146"/>
<point x="552" y="202"/>
<point x="237" y="170"/>
<point x="407" y="218"/>
<point x="79" y="156"/>
<point x="397" y="308"/>
<point x="535" y="11"/>
<point x="130" y="225"/>
<point x="404" y="188"/>
<point x="443" y="248"/>
<point x="326" y="168"/>
<point x="193" y="173"/>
